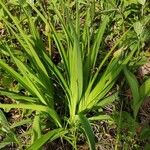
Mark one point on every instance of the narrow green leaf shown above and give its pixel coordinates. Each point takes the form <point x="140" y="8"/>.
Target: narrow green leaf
<point x="52" y="113"/>
<point x="21" y="122"/>
<point x="104" y="60"/>
<point x="88" y="131"/>
<point x="144" y="92"/>
<point x="55" y="36"/>
<point x="98" y="40"/>
<point x="75" y="70"/>
<point x="17" y="96"/>
<point x="25" y="81"/>
<point x="50" y="136"/>
<point x="3" y="122"/>
<point x="30" y="79"/>
<point x="42" y="79"/>
<point x="41" y="69"/>
<point x="5" y="127"/>
<point x="101" y="117"/>
<point x="57" y="73"/>
<point x="16" y="75"/>
<point x="36" y="127"/>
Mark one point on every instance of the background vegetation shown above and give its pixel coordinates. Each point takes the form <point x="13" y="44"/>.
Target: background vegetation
<point x="75" y="74"/>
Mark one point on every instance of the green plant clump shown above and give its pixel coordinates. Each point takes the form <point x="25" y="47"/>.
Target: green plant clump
<point x="55" y="51"/>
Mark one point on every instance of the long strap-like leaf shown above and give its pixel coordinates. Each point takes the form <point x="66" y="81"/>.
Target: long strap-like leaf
<point x="88" y="131"/>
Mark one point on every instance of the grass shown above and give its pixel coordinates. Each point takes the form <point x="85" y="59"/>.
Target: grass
<point x="75" y="32"/>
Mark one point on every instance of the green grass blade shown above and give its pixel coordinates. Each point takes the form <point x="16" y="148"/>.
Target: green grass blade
<point x="27" y="76"/>
<point x="77" y="26"/>
<point x="30" y="80"/>
<point x="104" y="84"/>
<point x="60" y="48"/>
<point x="144" y="92"/>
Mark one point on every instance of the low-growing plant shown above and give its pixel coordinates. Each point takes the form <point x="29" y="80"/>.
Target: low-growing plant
<point x="139" y="92"/>
<point x="85" y="81"/>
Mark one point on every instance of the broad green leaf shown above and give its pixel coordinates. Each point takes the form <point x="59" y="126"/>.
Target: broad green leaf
<point x="142" y="2"/>
<point x="138" y="27"/>
<point x="145" y="89"/>
<point x="88" y="131"/>
<point x="147" y="147"/>
<point x="50" y="136"/>
<point x="108" y="100"/>
<point x="134" y="86"/>
<point x="145" y="134"/>
<point x="3" y="144"/>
